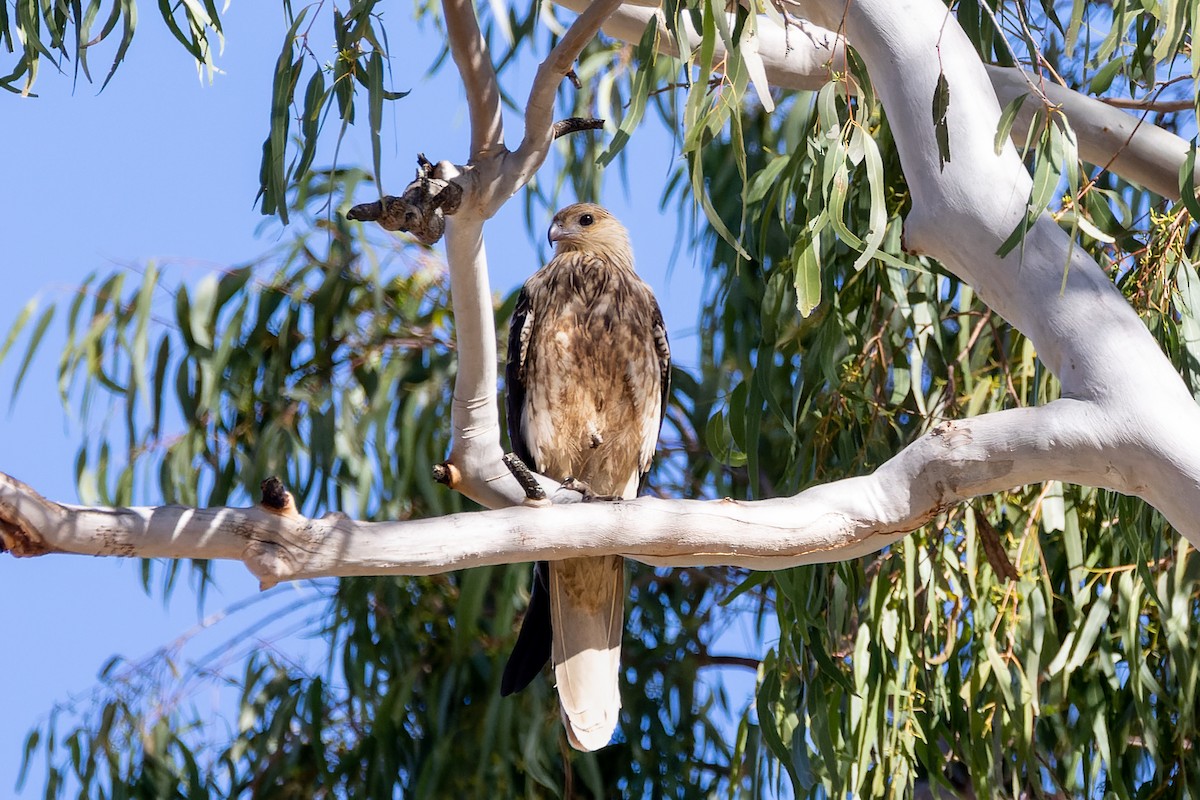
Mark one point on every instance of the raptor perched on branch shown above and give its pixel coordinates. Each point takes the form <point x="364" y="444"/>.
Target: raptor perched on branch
<point x="587" y="382"/>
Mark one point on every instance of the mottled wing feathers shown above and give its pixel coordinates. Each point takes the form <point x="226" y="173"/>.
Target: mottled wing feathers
<point x="662" y="349"/>
<point x="514" y="377"/>
<point x="532" y="649"/>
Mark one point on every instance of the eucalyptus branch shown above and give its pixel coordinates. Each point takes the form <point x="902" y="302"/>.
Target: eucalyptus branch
<point x="565" y="127"/>
<point x="1149" y="104"/>
<point x="539" y="109"/>
<point x="841" y="520"/>
<point x="1051" y="290"/>
<point x="474" y="62"/>
<point x="1108" y="137"/>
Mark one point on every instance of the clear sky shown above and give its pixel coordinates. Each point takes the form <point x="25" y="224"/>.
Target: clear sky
<point x="161" y="166"/>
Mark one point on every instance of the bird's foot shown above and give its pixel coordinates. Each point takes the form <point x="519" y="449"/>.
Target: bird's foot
<point x="573" y="484"/>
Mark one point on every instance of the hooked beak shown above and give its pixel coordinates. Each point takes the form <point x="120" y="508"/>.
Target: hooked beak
<point x="556" y="232"/>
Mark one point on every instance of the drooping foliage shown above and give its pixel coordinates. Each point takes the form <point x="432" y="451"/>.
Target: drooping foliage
<point x="1039" y="642"/>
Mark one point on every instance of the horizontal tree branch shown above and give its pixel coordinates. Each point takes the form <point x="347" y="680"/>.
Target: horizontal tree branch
<point x="1127" y="422"/>
<point x="845" y="519"/>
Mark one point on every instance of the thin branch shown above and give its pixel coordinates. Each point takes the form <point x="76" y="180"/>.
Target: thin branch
<point x="534" y="492"/>
<point x="539" y="109"/>
<point x="746" y="662"/>
<point x="474" y="62"/>
<point x="1149" y="104"/>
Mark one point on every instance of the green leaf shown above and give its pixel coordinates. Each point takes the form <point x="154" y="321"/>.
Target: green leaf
<point x="644" y="58"/>
<point x="941" y="129"/>
<point x="39" y="329"/>
<point x="1097" y="618"/>
<point x="375" y="112"/>
<point x="18" y="326"/>
<point x="1102" y="78"/>
<point x="877" y="213"/>
<point x="202" y="319"/>
<point x="768" y="696"/>
<point x="807" y="275"/>
<point x="1007" y="117"/>
<point x="273" y="176"/>
<point x="1187" y="182"/>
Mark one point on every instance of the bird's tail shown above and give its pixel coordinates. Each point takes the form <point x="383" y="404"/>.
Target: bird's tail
<point x="532" y="650"/>
<point x="587" y="609"/>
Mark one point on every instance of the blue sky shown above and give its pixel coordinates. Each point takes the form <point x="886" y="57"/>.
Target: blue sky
<point x="161" y="166"/>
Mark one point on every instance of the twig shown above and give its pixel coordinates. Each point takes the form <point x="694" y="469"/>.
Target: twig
<point x="1147" y="104"/>
<point x="706" y="660"/>
<point x="576" y="124"/>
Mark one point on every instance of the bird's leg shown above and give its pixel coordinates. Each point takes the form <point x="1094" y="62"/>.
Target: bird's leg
<point x="534" y="493"/>
<point x="573" y="484"/>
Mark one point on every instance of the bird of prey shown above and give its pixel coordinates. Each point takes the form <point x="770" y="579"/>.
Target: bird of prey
<point x="586" y="385"/>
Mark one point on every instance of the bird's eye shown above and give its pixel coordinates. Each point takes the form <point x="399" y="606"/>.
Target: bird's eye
<point x="586" y="219"/>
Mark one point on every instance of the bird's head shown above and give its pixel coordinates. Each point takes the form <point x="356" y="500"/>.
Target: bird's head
<point x="589" y="228"/>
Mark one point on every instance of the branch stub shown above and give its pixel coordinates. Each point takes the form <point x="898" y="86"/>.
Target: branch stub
<point x="275" y="497"/>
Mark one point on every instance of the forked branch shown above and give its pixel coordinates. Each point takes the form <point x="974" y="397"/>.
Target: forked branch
<point x="470" y="52"/>
<point x="806" y="56"/>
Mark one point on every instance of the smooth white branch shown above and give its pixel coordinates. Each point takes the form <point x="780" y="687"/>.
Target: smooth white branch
<point x="1146" y="422"/>
<point x="470" y="52"/>
<point x="539" y="108"/>
<point x="845" y="519"/>
<point x="806" y="55"/>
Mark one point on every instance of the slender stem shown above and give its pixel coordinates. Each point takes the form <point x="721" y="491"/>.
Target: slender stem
<point x="539" y="110"/>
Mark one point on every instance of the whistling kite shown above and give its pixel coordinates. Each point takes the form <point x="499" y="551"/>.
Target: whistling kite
<point x="587" y="382"/>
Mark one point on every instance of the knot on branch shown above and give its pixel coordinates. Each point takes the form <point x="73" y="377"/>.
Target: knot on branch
<point x="15" y="539"/>
<point x="275" y="498"/>
<point x="421" y="210"/>
<point x="447" y="474"/>
<point x="17" y="535"/>
<point x="269" y="562"/>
